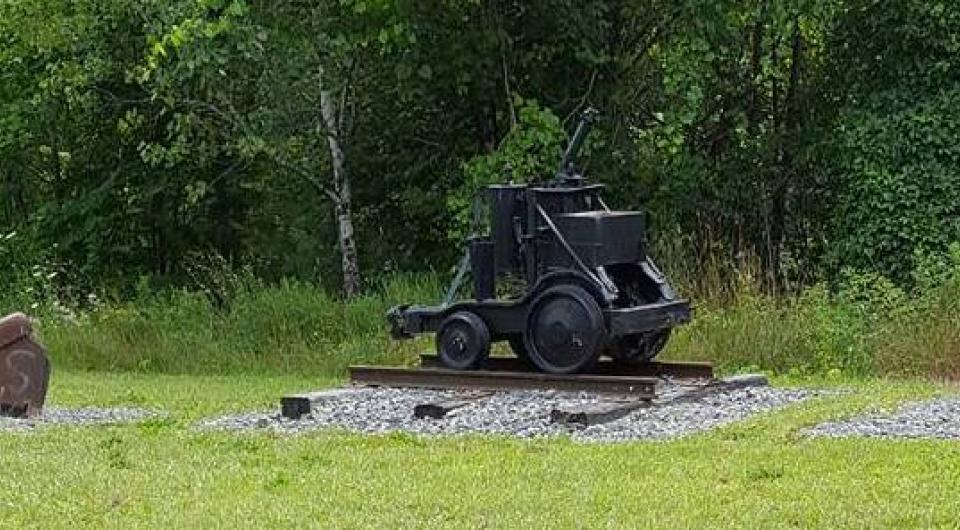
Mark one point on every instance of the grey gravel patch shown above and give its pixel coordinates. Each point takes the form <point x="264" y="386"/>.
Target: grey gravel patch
<point x="938" y="418"/>
<point x="524" y="414"/>
<point x="76" y="416"/>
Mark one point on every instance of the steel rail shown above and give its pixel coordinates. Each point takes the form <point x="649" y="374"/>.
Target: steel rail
<point x="605" y="368"/>
<point x="442" y="378"/>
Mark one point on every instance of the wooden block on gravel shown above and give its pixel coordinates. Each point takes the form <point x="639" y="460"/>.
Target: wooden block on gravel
<point x="744" y="381"/>
<point x="294" y="406"/>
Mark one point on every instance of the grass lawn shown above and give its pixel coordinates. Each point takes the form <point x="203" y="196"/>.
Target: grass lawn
<point x="758" y="473"/>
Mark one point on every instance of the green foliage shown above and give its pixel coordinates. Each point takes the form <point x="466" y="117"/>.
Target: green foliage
<point x="721" y="153"/>
<point x="134" y="136"/>
<point x="896" y="78"/>
<point x="899" y="187"/>
<point x="529" y="153"/>
<point x="29" y="275"/>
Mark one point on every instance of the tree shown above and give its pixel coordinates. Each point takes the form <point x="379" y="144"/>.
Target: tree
<point x="725" y="145"/>
<point x="293" y="55"/>
<point x="894" y="80"/>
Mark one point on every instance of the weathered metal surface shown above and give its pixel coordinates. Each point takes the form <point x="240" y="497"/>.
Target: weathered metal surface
<point x="641" y="387"/>
<point x="648" y="369"/>
<point x="565" y="330"/>
<point x="558" y="233"/>
<point x="651" y="317"/>
<point x="463" y="340"/>
<point x="596" y="414"/>
<point x="24" y="368"/>
<point x="720" y="385"/>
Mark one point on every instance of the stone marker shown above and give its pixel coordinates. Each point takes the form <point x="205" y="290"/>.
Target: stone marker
<point x="24" y="368"/>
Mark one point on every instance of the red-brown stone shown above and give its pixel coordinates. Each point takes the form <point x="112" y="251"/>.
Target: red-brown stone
<point x="24" y="368"/>
<point x="14" y="328"/>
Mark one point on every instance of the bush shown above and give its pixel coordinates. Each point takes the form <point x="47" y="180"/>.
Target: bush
<point x="899" y="188"/>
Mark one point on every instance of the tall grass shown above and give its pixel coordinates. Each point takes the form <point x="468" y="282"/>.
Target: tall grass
<point x="293" y="327"/>
<point x="232" y="323"/>
<point x="866" y="325"/>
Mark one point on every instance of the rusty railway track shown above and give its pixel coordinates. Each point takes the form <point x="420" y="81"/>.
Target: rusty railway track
<point x="629" y="388"/>
<point x="442" y="378"/>
<point x="635" y="383"/>
<point x="603" y="368"/>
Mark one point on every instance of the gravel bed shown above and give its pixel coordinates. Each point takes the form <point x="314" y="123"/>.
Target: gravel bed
<point x="938" y="418"/>
<point x="75" y="416"/>
<point x="524" y="414"/>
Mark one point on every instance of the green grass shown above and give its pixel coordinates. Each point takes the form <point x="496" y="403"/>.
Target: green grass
<point x="865" y="327"/>
<point x="288" y="328"/>
<point x="758" y="473"/>
<point x="238" y="354"/>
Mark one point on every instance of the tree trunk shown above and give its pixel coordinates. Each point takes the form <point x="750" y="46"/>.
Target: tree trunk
<point x="775" y="212"/>
<point x="341" y="192"/>
<point x="753" y="88"/>
<point x="785" y="170"/>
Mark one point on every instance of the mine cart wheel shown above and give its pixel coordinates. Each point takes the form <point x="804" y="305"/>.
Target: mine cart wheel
<point x="641" y="348"/>
<point x="651" y="344"/>
<point x="565" y="331"/>
<point x="463" y="341"/>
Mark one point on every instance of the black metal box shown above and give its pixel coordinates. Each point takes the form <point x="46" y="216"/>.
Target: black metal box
<point x="599" y="238"/>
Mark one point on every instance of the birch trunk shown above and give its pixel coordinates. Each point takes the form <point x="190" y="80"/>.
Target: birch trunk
<point x="341" y="192"/>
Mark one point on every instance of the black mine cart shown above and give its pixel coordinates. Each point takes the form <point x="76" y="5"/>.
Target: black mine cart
<point x="582" y="282"/>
